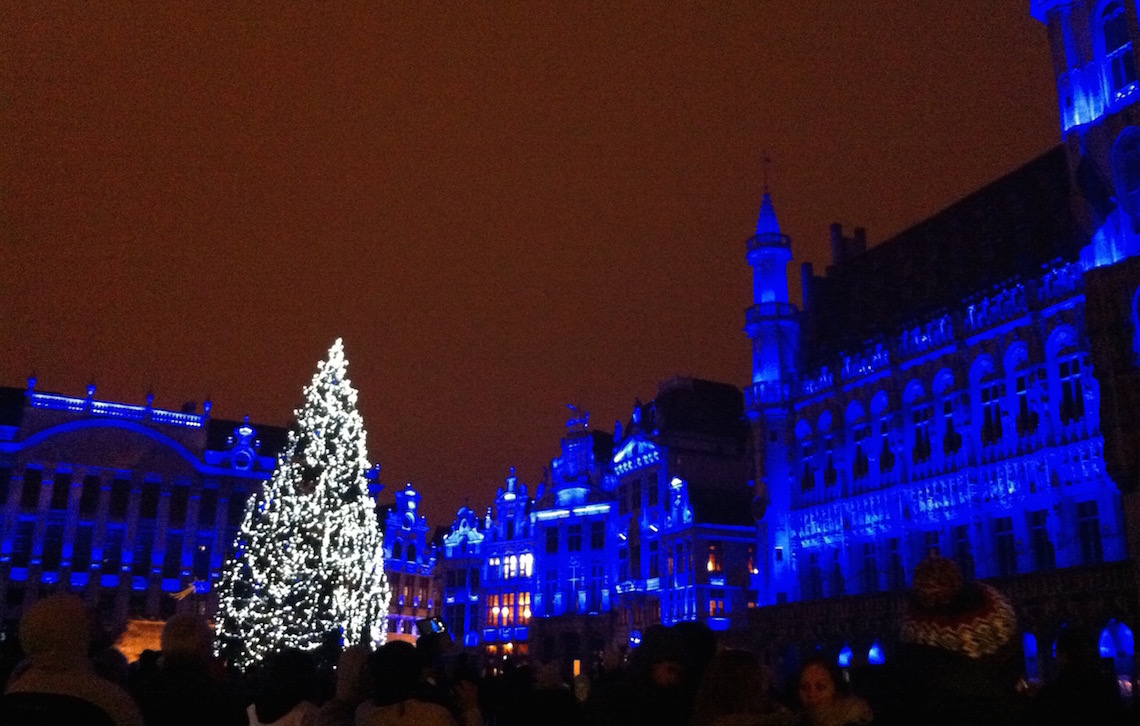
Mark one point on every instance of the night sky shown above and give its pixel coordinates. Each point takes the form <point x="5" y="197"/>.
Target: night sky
<point x="502" y="208"/>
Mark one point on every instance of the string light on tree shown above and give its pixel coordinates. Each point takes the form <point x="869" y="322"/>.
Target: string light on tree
<point x="309" y="558"/>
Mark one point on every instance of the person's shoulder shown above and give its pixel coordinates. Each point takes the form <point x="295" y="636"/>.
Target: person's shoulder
<point x="429" y="713"/>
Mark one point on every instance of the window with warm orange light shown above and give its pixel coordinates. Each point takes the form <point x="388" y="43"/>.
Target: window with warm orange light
<point x="716" y="557"/>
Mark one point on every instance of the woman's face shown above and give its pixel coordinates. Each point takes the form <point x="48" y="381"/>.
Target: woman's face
<point x="816" y="687"/>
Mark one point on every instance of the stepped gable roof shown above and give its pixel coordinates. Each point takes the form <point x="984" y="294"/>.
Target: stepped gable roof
<point x="1007" y="229"/>
<point x="11" y="405"/>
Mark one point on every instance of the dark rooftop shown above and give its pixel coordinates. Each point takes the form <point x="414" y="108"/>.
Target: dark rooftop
<point x="1007" y="229"/>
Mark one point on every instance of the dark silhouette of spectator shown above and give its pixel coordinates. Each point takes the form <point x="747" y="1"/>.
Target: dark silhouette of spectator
<point x="351" y="688"/>
<point x="394" y="675"/>
<point x="1081" y="693"/>
<point x="285" y="690"/>
<point x="825" y="699"/>
<point x="960" y="656"/>
<point x="698" y="646"/>
<point x="652" y="689"/>
<point x="55" y="635"/>
<point x="736" y="691"/>
<point x="188" y="687"/>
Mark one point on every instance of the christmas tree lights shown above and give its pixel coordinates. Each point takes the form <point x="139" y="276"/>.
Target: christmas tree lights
<point x="308" y="565"/>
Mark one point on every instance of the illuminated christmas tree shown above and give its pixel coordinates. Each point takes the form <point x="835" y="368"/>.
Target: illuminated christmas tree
<point x="309" y="559"/>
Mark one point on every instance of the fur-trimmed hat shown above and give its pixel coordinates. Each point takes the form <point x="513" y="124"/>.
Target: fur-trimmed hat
<point x="949" y="613"/>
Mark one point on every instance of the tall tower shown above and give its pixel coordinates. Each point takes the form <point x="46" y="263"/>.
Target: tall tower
<point x="772" y="323"/>
<point x="1094" y="45"/>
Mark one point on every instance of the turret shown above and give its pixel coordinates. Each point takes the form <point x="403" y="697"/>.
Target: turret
<point x="771" y="322"/>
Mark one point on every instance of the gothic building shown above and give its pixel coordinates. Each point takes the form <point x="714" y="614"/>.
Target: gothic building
<point x="942" y="392"/>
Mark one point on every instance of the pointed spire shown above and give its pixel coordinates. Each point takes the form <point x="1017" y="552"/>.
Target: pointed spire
<point x="767" y="224"/>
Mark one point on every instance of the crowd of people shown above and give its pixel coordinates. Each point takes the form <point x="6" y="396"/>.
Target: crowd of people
<point x="959" y="661"/>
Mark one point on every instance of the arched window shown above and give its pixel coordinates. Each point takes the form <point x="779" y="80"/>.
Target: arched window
<point x="859" y="430"/>
<point x="398" y="550"/>
<point x="411" y="553"/>
<point x="1114" y="50"/>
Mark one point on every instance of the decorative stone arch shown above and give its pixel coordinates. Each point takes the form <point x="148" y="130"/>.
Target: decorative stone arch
<point x="1016" y="356"/>
<point x="410" y="553"/>
<point x="854" y="412"/>
<point x="943" y="382"/>
<point x="1061" y="337"/>
<point x="398" y="550"/>
<point x="914" y="391"/>
<point x="879" y="403"/>
<point x="823" y="424"/>
<point x="983" y="367"/>
<point x="803" y="430"/>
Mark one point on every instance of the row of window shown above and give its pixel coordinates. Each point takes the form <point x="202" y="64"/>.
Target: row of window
<point x="574" y="537"/>
<point x="921" y="434"/>
<point x="118" y="503"/>
<point x="82" y="548"/>
<point x="506" y="609"/>
<point x="630" y="497"/>
<point x="1042" y="553"/>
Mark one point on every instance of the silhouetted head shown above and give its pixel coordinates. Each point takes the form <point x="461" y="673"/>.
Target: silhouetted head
<point x="187" y="636"/>
<point x="393" y="672"/>
<point x="283" y="680"/>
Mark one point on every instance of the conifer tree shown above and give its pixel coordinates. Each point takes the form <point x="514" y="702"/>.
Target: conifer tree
<point x="309" y="559"/>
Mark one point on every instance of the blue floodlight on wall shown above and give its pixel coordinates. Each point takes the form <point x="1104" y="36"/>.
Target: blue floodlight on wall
<point x="875" y="655"/>
<point x="845" y="656"/>
<point x="1107" y="647"/>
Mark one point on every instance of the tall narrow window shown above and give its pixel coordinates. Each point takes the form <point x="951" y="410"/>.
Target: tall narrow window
<point x="112" y="551"/>
<point x="1072" y="396"/>
<point x="60" y="491"/>
<point x="597" y="579"/>
<point x="930" y="539"/>
<point x="552" y="540"/>
<point x="53" y="546"/>
<point x="597" y="535"/>
<point x="1006" y="546"/>
<point x="870" y="572"/>
<point x="896" y="573"/>
<point x="654" y="556"/>
<point x="860" y="464"/>
<point x="81" y="551"/>
<point x="22" y="547"/>
<point x="89" y="495"/>
<point x="963" y="552"/>
<point x="920" y="418"/>
<point x="1088" y="532"/>
<point x="992" y="393"/>
<point x="574" y="537"/>
<point x="1044" y="554"/>
<point x="716" y="557"/>
<point x="1026" y="416"/>
<point x="807" y="479"/>
<point x="1119" y="61"/>
<point x="951" y="439"/>
<point x="30" y="493"/>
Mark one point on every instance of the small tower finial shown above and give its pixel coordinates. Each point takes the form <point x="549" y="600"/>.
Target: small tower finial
<point x="767" y="161"/>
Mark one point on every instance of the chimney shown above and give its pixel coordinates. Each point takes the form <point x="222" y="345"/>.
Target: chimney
<point x="837" y="240"/>
<point x="807" y="279"/>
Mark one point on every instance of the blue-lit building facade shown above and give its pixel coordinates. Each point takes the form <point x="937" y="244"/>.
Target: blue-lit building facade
<point x="969" y="387"/>
<point x="133" y="506"/>
<point x="409" y="561"/>
<point x="944" y="392"/>
<point x="136" y="508"/>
